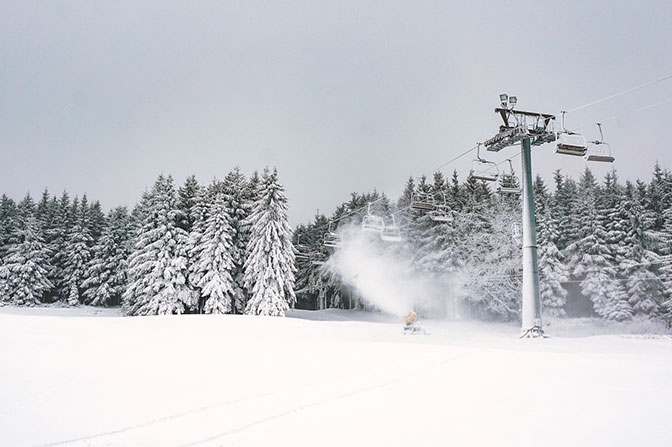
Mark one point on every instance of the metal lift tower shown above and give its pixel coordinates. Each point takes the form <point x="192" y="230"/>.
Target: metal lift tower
<point x="529" y="129"/>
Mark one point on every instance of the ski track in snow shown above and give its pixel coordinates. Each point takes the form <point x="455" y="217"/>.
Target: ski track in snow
<point x="232" y="402"/>
<point x="326" y="401"/>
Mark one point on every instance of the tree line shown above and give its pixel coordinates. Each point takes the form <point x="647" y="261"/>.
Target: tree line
<point x="607" y="244"/>
<point x="218" y="248"/>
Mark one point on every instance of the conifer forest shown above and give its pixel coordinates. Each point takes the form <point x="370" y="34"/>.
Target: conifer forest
<point x="227" y="247"/>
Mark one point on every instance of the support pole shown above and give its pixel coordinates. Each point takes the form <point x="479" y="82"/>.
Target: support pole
<point x="531" y="305"/>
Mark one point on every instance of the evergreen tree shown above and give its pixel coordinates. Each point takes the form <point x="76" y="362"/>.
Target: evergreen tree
<point x="198" y="208"/>
<point x="63" y="222"/>
<point x="8" y="216"/>
<point x="564" y="210"/>
<point x="590" y="257"/>
<point x="96" y="221"/>
<point x="188" y="197"/>
<point x="269" y="268"/>
<point x="23" y="276"/>
<point x="552" y="269"/>
<point x="615" y="224"/>
<point x="644" y="288"/>
<point x="213" y="261"/>
<point x="106" y="275"/>
<point x="407" y="194"/>
<point x="78" y="251"/>
<point x="239" y="202"/>
<point x="158" y="265"/>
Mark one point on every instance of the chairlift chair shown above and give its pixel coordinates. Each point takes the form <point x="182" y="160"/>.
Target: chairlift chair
<point x="507" y="186"/>
<point x="570" y="143"/>
<point x="372" y="223"/>
<point x="391" y="233"/>
<point x="422" y="201"/>
<point x="482" y="169"/>
<point x="332" y="239"/>
<point x="601" y="150"/>
<point x="443" y="215"/>
<point x="441" y="212"/>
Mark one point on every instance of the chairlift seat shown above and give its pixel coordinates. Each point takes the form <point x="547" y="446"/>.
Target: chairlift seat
<point x="571" y="144"/>
<point x="422" y="201"/>
<point x="482" y="169"/>
<point x="390" y="234"/>
<point x="333" y="240"/>
<point x="439" y="216"/>
<point x="600" y="157"/>
<point x="488" y="177"/>
<point x="601" y="151"/>
<point x="373" y="224"/>
<point x="509" y="190"/>
<point x="422" y="206"/>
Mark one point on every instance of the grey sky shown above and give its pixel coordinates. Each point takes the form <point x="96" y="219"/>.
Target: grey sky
<point x="100" y="97"/>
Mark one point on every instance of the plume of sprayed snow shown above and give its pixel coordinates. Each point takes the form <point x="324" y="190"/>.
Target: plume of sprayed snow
<point x="383" y="275"/>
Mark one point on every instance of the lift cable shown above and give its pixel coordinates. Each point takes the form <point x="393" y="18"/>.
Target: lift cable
<point x="615" y="95"/>
<point x="640" y="109"/>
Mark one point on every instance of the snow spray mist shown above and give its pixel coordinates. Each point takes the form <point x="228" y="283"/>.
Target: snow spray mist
<point x="383" y="275"/>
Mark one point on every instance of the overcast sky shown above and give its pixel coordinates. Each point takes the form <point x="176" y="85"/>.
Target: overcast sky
<point x="101" y="97"/>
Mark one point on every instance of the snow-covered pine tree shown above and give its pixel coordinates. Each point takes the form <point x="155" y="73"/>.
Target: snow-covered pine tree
<point x="42" y="212"/>
<point x="212" y="260"/>
<point x="158" y="265"/>
<point x="454" y="193"/>
<point x="198" y="209"/>
<point x="644" y="288"/>
<point x="552" y="270"/>
<point x="105" y="279"/>
<point x="269" y="268"/>
<point x="406" y="195"/>
<point x="564" y="210"/>
<point x="78" y="251"/>
<point x="23" y="276"/>
<point x="188" y="198"/>
<point x="46" y="215"/>
<point x="404" y="213"/>
<point x="8" y="215"/>
<point x="590" y="257"/>
<point x="63" y="221"/>
<point x="96" y="221"/>
<point x="615" y="223"/>
<point x="239" y="198"/>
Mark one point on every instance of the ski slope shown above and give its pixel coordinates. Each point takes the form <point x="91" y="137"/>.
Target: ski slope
<point x="87" y="377"/>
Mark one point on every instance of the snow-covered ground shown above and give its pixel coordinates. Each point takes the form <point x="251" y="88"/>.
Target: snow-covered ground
<point x="87" y="377"/>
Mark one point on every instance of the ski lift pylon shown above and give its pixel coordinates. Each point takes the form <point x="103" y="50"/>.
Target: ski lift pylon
<point x="482" y="169"/>
<point x="601" y="150"/>
<point x="570" y="143"/>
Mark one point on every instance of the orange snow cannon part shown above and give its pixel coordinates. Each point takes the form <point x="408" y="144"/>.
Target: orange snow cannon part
<point x="411" y="318"/>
